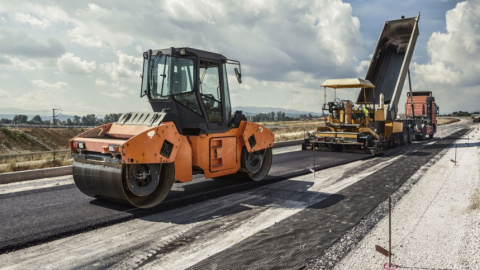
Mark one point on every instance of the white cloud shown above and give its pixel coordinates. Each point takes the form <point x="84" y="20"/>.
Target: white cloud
<point x="40" y="99"/>
<point x="452" y="72"/>
<point x="58" y="86"/>
<point x="362" y="68"/>
<point x="272" y="38"/>
<point x="16" y="64"/>
<point x="96" y="32"/>
<point x="5" y="60"/>
<point x="303" y="92"/>
<point x="20" y="42"/>
<point x="90" y="25"/>
<point x="193" y="11"/>
<point x="83" y="35"/>
<point x="287" y="48"/>
<point x="114" y="95"/>
<point x="71" y="64"/>
<point x="127" y="67"/>
<point x="36" y="14"/>
<point x="33" y="21"/>
<point x="454" y="55"/>
<point x="100" y="82"/>
<point x="4" y="94"/>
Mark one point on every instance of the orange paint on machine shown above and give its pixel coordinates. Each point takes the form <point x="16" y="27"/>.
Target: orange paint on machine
<point x="191" y="130"/>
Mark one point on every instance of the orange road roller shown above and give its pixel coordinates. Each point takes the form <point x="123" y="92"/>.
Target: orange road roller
<point x="191" y="130"/>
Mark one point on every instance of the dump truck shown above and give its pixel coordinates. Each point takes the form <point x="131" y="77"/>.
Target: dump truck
<point x="190" y="130"/>
<point x="421" y="115"/>
<point x="370" y="124"/>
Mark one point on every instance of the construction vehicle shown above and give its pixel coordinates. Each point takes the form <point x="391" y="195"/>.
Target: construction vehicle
<point x="475" y="117"/>
<point x="190" y="131"/>
<point x="421" y="115"/>
<point x="370" y="124"/>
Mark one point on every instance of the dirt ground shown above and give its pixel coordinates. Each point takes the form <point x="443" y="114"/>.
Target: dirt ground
<point x="16" y="140"/>
<point x="446" y="120"/>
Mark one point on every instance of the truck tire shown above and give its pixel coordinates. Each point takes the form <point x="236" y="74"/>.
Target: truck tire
<point x="404" y="138"/>
<point x="391" y="144"/>
<point x="337" y="148"/>
<point x="306" y="144"/>
<point x="410" y="135"/>
<point x="422" y="136"/>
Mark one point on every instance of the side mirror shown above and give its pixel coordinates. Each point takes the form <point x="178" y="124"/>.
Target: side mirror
<point x="238" y="75"/>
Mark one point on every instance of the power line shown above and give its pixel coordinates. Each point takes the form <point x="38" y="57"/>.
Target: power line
<point x="55" y="115"/>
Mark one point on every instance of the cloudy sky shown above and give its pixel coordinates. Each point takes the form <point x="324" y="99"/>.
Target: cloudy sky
<point x="85" y="56"/>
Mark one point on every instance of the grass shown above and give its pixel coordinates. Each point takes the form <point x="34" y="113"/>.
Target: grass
<point x="32" y="156"/>
<point x="292" y="130"/>
<point x="283" y="138"/>
<point x="27" y="163"/>
<point x="15" y="135"/>
<point x="446" y="120"/>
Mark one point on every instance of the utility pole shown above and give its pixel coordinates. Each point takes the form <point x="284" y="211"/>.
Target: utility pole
<point x="55" y="114"/>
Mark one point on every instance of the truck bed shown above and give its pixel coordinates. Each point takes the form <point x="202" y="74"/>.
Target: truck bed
<point x="389" y="65"/>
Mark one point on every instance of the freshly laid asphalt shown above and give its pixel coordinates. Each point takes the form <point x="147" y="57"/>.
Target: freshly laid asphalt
<point x="311" y="231"/>
<point x="32" y="217"/>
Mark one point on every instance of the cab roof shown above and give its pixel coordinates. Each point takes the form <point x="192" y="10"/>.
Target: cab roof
<point x="192" y="52"/>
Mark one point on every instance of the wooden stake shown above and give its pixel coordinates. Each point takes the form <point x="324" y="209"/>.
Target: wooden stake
<point x="389" y="231"/>
<point x="388" y="253"/>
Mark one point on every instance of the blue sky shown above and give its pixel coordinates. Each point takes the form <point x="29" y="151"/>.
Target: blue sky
<point x="85" y="56"/>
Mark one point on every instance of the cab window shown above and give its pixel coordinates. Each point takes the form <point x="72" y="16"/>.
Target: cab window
<point x="210" y="90"/>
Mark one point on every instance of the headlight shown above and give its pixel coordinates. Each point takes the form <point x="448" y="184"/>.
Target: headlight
<point x="79" y="145"/>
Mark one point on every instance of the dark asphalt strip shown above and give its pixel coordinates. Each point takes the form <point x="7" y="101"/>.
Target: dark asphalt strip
<point x="299" y="239"/>
<point x="18" y="231"/>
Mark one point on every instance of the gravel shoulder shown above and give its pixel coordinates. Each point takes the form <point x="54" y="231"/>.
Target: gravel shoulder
<point x="436" y="225"/>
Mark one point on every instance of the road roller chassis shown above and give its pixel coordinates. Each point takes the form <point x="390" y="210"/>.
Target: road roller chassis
<point x="191" y="130"/>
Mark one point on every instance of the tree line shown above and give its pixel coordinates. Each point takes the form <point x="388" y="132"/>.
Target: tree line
<point x="92" y="120"/>
<point x="462" y="114"/>
<point x="86" y="120"/>
<point x="279" y="116"/>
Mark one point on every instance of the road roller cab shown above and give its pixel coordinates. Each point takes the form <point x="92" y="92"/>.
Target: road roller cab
<point x="190" y="131"/>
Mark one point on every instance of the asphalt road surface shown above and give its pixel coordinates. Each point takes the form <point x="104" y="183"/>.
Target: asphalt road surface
<point x="41" y="215"/>
<point x="282" y="222"/>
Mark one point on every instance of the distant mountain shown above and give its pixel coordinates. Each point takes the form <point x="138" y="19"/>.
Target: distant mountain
<point x="60" y="117"/>
<point x="250" y="110"/>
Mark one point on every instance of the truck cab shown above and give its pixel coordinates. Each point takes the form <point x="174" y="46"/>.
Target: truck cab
<point x="422" y="109"/>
